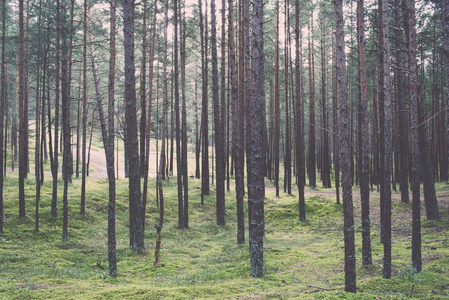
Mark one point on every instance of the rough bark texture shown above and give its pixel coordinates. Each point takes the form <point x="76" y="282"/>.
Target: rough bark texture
<point x="446" y="66"/>
<point x="277" y="111"/>
<point x="143" y="92"/>
<point x="256" y="184"/>
<point x="219" y="145"/>
<point x="204" y="109"/>
<point x="84" y="139"/>
<point x="350" y="275"/>
<point x="364" y="137"/>
<point x="135" y="221"/>
<point x="177" y="120"/>
<point x="402" y="114"/>
<point x="415" y="176"/>
<point x="335" y="129"/>
<point x="2" y="107"/>
<point x="311" y="171"/>
<point x="386" y="203"/>
<point x="112" y="253"/>
<point x="67" y="151"/>
<point x="185" y="184"/>
<point x="299" y="128"/>
<point x="22" y="108"/>
<point x="235" y="122"/>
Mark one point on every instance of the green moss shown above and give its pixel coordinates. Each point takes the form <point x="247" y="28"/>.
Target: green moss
<point x="303" y="260"/>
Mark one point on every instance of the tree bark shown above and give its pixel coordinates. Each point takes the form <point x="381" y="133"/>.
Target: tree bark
<point x="299" y="125"/>
<point x="446" y="68"/>
<point x="277" y="110"/>
<point x="219" y="145"/>
<point x="363" y="137"/>
<point x="84" y="139"/>
<point x="416" y="167"/>
<point x="135" y="212"/>
<point x="256" y="184"/>
<point x="235" y="126"/>
<point x="2" y="107"/>
<point x="22" y="112"/>
<point x="311" y="169"/>
<point x="350" y="267"/>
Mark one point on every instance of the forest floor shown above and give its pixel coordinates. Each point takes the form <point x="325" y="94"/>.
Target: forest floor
<point x="303" y="260"/>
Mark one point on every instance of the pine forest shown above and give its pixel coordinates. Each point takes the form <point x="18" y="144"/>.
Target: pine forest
<point x="207" y="149"/>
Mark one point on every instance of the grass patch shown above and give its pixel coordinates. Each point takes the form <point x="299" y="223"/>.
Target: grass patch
<point x="303" y="260"/>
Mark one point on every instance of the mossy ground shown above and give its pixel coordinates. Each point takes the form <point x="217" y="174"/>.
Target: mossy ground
<point x="303" y="260"/>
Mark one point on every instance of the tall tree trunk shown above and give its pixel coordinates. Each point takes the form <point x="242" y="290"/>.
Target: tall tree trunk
<point x="22" y="112"/>
<point x="363" y="137"/>
<point x="311" y="171"/>
<point x="402" y="114"/>
<point x="84" y="140"/>
<point x="67" y="151"/>
<point x="299" y="125"/>
<point x="178" y="124"/>
<point x="2" y="107"/>
<point x="336" y="143"/>
<point x="288" y="151"/>
<point x="148" y="118"/>
<point x="204" y="106"/>
<point x="135" y="212"/>
<point x="185" y="184"/>
<point x="446" y="68"/>
<point x="235" y="129"/>
<point x="112" y="254"/>
<point x="143" y="94"/>
<point x="219" y="145"/>
<point x="277" y="110"/>
<point x="415" y="176"/>
<point x="256" y="184"/>
<point x="387" y="132"/>
<point x="350" y="268"/>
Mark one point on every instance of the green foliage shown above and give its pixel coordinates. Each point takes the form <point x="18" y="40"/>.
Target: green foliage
<point x="303" y="260"/>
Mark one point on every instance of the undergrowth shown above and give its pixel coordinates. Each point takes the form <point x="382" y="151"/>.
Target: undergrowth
<point x="303" y="260"/>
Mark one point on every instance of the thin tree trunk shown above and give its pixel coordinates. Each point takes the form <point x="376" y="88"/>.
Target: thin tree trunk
<point x="143" y="91"/>
<point x="235" y="124"/>
<point x="446" y="70"/>
<point x="288" y="151"/>
<point x="2" y="108"/>
<point x="67" y="151"/>
<point x="350" y="267"/>
<point x="136" y="240"/>
<point x="22" y="112"/>
<point x="177" y="120"/>
<point x="256" y="184"/>
<point x="311" y="171"/>
<point x="402" y="114"/>
<point x="276" y="103"/>
<point x="84" y="140"/>
<point x="182" y="32"/>
<point x="415" y="176"/>
<point x="204" y="106"/>
<point x="299" y="125"/>
<point x="363" y="137"/>
<point x="112" y="254"/>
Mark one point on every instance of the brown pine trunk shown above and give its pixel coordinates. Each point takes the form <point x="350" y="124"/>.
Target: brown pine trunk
<point x="2" y="108"/>
<point x="22" y="112"/>
<point x="277" y="111"/>
<point x="446" y="71"/>
<point x="143" y="95"/>
<point x="415" y="176"/>
<point x="84" y="139"/>
<point x="299" y="132"/>
<point x="363" y="138"/>
<point x="345" y="143"/>
<point x="311" y="171"/>
<point x="135" y="210"/>
<point x="256" y="184"/>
